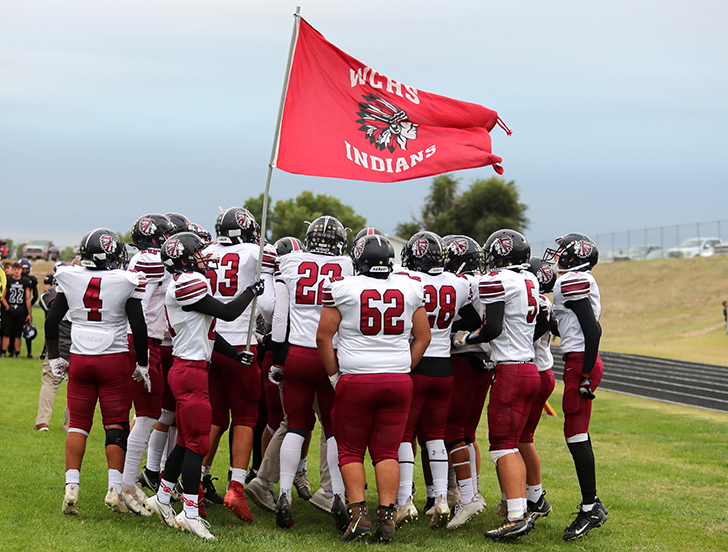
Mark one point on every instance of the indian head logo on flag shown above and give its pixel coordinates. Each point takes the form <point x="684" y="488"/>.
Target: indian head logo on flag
<point x="342" y="119"/>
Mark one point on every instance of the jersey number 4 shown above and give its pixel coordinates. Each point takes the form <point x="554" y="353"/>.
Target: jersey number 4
<point x="92" y="300"/>
<point x="373" y="320"/>
<point x="308" y="287"/>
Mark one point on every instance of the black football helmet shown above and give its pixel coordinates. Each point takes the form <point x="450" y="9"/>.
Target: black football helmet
<point x="464" y="255"/>
<point x="368" y="231"/>
<point x="101" y="249"/>
<point x="236" y="225"/>
<point x="576" y="252"/>
<point x="150" y="231"/>
<point x="181" y="222"/>
<point x="425" y="252"/>
<point x="204" y="235"/>
<point x="326" y="235"/>
<point x="373" y="256"/>
<point x="180" y="253"/>
<point x="289" y="244"/>
<point x="506" y="249"/>
<point x="545" y="274"/>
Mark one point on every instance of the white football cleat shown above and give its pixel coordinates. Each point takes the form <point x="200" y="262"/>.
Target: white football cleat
<point x="114" y="502"/>
<point x="197" y="526"/>
<point x="463" y="513"/>
<point x="441" y="514"/>
<point x="70" y="500"/>
<point x="480" y="498"/>
<point x="406" y="513"/>
<point x="164" y="512"/>
<point x="134" y="498"/>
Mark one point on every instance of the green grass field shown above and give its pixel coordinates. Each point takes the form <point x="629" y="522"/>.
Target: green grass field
<point x="662" y="469"/>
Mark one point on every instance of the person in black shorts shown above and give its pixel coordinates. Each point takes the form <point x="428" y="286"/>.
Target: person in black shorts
<point x="16" y="300"/>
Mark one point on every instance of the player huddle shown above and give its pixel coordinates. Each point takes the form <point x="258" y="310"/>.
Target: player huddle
<point x="202" y="336"/>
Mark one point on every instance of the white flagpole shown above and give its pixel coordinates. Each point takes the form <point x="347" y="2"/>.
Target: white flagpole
<point x="273" y="156"/>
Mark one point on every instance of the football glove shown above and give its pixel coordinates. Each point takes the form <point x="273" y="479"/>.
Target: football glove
<point x="141" y="373"/>
<point x="585" y="389"/>
<point x="276" y="375"/>
<point x="334" y="379"/>
<point x="59" y="366"/>
<point x="245" y="358"/>
<point x="257" y="287"/>
<point x="460" y="339"/>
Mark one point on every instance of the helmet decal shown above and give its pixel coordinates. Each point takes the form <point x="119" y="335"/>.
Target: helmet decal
<point x="173" y="248"/>
<point x="419" y="248"/>
<point x="242" y="219"/>
<point x="583" y="248"/>
<point x="545" y="274"/>
<point x="108" y="243"/>
<point x="503" y="245"/>
<point x="147" y="226"/>
<point x="385" y="123"/>
<point x="458" y="246"/>
<point x="358" y="249"/>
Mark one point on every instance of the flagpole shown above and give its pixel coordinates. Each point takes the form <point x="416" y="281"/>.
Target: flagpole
<point x="273" y="155"/>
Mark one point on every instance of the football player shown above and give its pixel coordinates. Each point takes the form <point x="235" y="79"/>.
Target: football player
<point x="473" y="375"/>
<point x="577" y="306"/>
<point x="192" y="313"/>
<point x="26" y="266"/>
<point x="100" y="299"/>
<point x="510" y="295"/>
<point x="17" y="310"/>
<point x="299" y="279"/>
<point x="148" y="234"/>
<point x="375" y="314"/>
<point x="446" y="295"/>
<point x="235" y="390"/>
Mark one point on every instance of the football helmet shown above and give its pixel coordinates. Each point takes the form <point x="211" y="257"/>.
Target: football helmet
<point x="576" y="252"/>
<point x="29" y="331"/>
<point x="101" y="249"/>
<point x="151" y="230"/>
<point x="181" y="222"/>
<point x="464" y="255"/>
<point x="373" y="256"/>
<point x="182" y="253"/>
<point x="205" y="236"/>
<point x="368" y="231"/>
<point x="545" y="274"/>
<point x="506" y="249"/>
<point x="236" y="225"/>
<point x="289" y="244"/>
<point x="25" y="265"/>
<point x="326" y="235"/>
<point x="425" y="252"/>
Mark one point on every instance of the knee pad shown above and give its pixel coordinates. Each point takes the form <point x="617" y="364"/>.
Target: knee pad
<point x="117" y="436"/>
<point x="496" y="455"/>
<point x="167" y="417"/>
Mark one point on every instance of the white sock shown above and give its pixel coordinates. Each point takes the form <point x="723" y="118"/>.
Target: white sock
<point x="524" y="502"/>
<point x="115" y="480"/>
<point x="438" y="465"/>
<point x="332" y="456"/>
<point x="205" y="470"/>
<point x="191" y="507"/>
<point x="73" y="477"/>
<point x="452" y="480"/>
<point x="587" y="507"/>
<point x="136" y="445"/>
<point x="171" y="443"/>
<point x="164" y="492"/>
<point x="239" y="475"/>
<point x="533" y="492"/>
<point x="430" y="491"/>
<point x="406" y="472"/>
<point x="515" y="508"/>
<point x="465" y="486"/>
<point x="157" y="442"/>
<point x="290" y="455"/>
<point x="303" y="464"/>
<point x="473" y="466"/>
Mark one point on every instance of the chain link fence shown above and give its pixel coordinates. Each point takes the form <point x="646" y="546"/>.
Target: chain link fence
<point x="680" y="240"/>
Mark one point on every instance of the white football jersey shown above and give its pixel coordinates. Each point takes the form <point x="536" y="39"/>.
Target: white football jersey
<point x="149" y="262"/>
<point x="474" y="293"/>
<point x="376" y="322"/>
<point x="193" y="333"/>
<point x="542" y="346"/>
<point x="235" y="270"/>
<point x="97" y="307"/>
<point x="519" y="292"/>
<point x="304" y="275"/>
<point x="445" y="295"/>
<point x="573" y="286"/>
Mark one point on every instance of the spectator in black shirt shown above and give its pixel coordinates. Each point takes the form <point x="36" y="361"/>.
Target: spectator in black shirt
<point x="25" y="264"/>
<point x="16" y="300"/>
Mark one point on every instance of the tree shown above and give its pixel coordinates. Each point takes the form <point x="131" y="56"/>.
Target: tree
<point x="290" y="216"/>
<point x="486" y="206"/>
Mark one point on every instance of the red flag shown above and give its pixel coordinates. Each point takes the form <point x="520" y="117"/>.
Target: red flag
<point x="342" y="119"/>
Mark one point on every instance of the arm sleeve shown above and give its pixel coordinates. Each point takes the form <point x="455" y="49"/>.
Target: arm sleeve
<point x="542" y="325"/>
<point x="493" y="327"/>
<point x="53" y="319"/>
<point x="224" y="348"/>
<point x="135" y="314"/>
<point x="224" y="311"/>
<point x="280" y="313"/>
<point x="469" y="319"/>
<point x="591" y="329"/>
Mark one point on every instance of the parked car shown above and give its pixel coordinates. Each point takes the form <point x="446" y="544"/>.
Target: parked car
<point x="41" y="250"/>
<point x="639" y="253"/>
<point x="695" y="247"/>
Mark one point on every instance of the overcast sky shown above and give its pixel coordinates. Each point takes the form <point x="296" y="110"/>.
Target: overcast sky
<point x="111" y="109"/>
